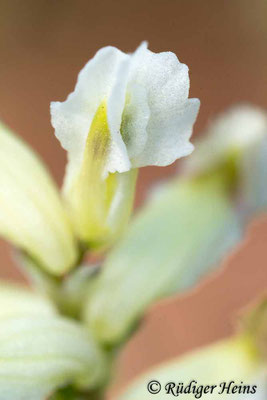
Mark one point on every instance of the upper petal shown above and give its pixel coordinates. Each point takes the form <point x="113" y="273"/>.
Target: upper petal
<point x="72" y="118"/>
<point x="165" y="78"/>
<point x="172" y="115"/>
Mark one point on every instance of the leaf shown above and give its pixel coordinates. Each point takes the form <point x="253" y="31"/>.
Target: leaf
<point x="178" y="237"/>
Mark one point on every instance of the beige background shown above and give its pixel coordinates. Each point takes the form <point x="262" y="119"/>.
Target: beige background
<point x="43" y="45"/>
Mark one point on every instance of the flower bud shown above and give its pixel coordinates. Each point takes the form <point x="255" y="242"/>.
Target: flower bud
<point x="32" y="216"/>
<point x="98" y="205"/>
<point x="235" y="148"/>
<point x="41" y="351"/>
<point x="230" y="366"/>
<point x="254" y="323"/>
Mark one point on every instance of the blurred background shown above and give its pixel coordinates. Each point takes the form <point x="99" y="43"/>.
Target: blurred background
<point x="43" y="45"/>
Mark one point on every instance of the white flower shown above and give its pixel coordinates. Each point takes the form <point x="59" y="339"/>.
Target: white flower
<point x="150" y="117"/>
<point x="127" y="111"/>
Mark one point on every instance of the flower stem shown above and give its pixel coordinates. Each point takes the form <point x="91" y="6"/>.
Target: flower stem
<point x="70" y="393"/>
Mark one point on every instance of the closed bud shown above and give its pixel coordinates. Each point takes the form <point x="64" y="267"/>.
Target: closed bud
<point x="32" y="216"/>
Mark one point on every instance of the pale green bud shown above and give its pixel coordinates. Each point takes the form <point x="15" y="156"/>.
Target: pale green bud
<point x="18" y="300"/>
<point x="31" y="213"/>
<point x="99" y="206"/>
<point x="236" y="147"/>
<point x="255" y="325"/>
<point x="232" y="361"/>
<point x="41" y="351"/>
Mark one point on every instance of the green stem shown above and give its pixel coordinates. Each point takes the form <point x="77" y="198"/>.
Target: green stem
<point x="70" y="393"/>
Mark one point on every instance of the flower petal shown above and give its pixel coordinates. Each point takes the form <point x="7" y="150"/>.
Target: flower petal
<point x="72" y="118"/>
<point x="136" y="112"/>
<point x="171" y="113"/>
<point x="118" y="160"/>
<point x="135" y="120"/>
<point x="168" y="136"/>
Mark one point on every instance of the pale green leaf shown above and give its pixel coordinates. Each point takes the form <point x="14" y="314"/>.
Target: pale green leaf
<point x="180" y="234"/>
